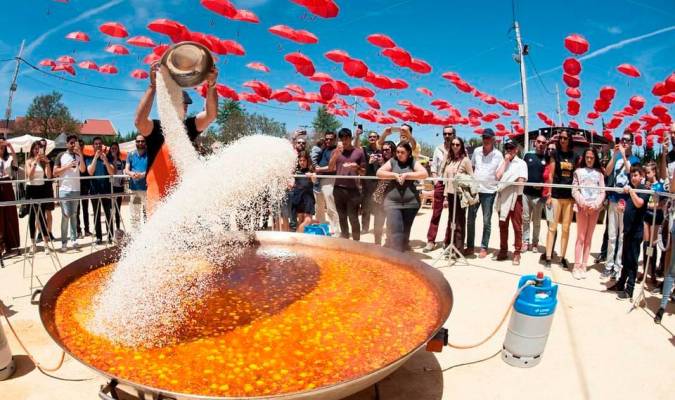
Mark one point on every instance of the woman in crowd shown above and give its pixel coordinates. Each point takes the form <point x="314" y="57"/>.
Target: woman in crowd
<point x="48" y="191"/>
<point x="563" y="203"/>
<point x="402" y="201"/>
<point x="457" y="162"/>
<point x="302" y="194"/>
<point x="388" y="150"/>
<point x="115" y="159"/>
<point x="38" y="169"/>
<point x="589" y="201"/>
<point x="652" y="182"/>
<point x="9" y="219"/>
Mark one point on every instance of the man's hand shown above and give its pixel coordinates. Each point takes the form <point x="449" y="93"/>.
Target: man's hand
<point x="509" y="157"/>
<point x="212" y="77"/>
<point x="154" y="67"/>
<point x="97" y="154"/>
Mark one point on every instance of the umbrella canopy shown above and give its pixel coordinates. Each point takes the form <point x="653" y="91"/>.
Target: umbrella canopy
<point x="23" y="143"/>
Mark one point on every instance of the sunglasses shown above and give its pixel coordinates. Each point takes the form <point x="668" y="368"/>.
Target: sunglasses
<point x="456" y="145"/>
<point x="140" y="141"/>
<point x="541" y="142"/>
<point x="447" y="133"/>
<point x="626" y="140"/>
<point x="372" y="137"/>
<point x="301" y="143"/>
<point x="383" y="150"/>
<point x="564" y="138"/>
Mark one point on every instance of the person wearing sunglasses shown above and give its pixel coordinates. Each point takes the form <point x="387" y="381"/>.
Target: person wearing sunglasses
<point x="325" y="201"/>
<point x="533" y="200"/>
<point x="564" y="162"/>
<point x="457" y="162"/>
<point x="438" y="164"/>
<point x="618" y="176"/>
<point x="136" y="169"/>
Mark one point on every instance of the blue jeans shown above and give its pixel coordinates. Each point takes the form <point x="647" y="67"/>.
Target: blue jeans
<point x="69" y="216"/>
<point x="487" y="200"/>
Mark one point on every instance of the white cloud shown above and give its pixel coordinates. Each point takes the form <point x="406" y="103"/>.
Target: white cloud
<point x="614" y="30"/>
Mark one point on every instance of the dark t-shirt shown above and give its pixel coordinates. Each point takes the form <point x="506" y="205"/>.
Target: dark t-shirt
<point x="402" y="196"/>
<point x="633" y="217"/>
<point x="354" y="155"/>
<point x="535" y="172"/>
<point x="563" y="174"/>
<point x="324" y="159"/>
<point x="371" y="169"/>
<point x="155" y="139"/>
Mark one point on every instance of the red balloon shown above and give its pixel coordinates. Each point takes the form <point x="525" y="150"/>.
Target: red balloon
<point x="141" y="41"/>
<point x="114" y="29"/>
<point x="222" y="7"/>
<point x="355" y="68"/>
<point x="571" y="80"/>
<point x="246" y="16"/>
<point x="607" y="93"/>
<point x="574" y="93"/>
<point x="381" y="40"/>
<point x="572" y="66"/>
<point x="576" y="44"/>
<point x="629" y="70"/>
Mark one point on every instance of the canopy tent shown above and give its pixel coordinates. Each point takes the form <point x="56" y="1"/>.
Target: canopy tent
<point x="60" y="141"/>
<point x="22" y="143"/>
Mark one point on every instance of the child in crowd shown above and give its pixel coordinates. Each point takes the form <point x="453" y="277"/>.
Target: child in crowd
<point x="652" y="182"/>
<point x="302" y="194"/>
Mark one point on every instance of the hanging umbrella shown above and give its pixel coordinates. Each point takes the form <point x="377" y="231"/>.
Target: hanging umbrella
<point x="629" y="70"/>
<point x="64" y="68"/>
<point x="221" y="7"/>
<point x="141" y="41"/>
<point x="246" y="16"/>
<point x="108" y="69"/>
<point x="258" y="66"/>
<point x="90" y="65"/>
<point x="65" y="60"/>
<point x="47" y="63"/>
<point x="114" y="29"/>
<point x="139" y="74"/>
<point x="80" y="36"/>
<point x="117" y="49"/>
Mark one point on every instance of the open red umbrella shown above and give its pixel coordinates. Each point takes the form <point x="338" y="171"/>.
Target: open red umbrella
<point x="571" y="80"/>
<point x="262" y="89"/>
<point x="576" y="44"/>
<point x="301" y="62"/>
<point x="222" y="7"/>
<point x="114" y="29"/>
<point x="372" y="102"/>
<point x="139" y="74"/>
<point x="362" y="92"/>
<point x="283" y="31"/>
<point x="341" y="88"/>
<point x="637" y="102"/>
<point x="141" y="41"/>
<point x="117" y="49"/>
<point x="607" y="93"/>
<point x="426" y="92"/>
<point x="572" y="66"/>
<point x="381" y="40"/>
<point x="80" y="36"/>
<point x="47" y="63"/>
<point x="168" y="27"/>
<point x="419" y="66"/>
<point x="338" y="56"/>
<point x="108" y="69"/>
<point x="295" y="88"/>
<point x="355" y="68"/>
<point x="65" y="60"/>
<point x="233" y="47"/>
<point x="64" y="68"/>
<point x="282" y="96"/>
<point x="258" y="66"/>
<point x="90" y="65"/>
<point x="151" y="58"/>
<point x="398" y="56"/>
<point x="399" y="84"/>
<point x="321" y="8"/>
<point x="629" y="70"/>
<point x="574" y="93"/>
<point x="246" y="16"/>
<point x="305" y="37"/>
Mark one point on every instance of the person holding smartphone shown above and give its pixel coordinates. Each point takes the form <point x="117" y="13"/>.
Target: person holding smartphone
<point x="406" y="133"/>
<point x="68" y="167"/>
<point x="37" y="169"/>
<point x="373" y="163"/>
<point x="100" y="165"/>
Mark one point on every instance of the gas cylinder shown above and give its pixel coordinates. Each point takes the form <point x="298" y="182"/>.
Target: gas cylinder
<point x="530" y="322"/>
<point x="6" y="361"/>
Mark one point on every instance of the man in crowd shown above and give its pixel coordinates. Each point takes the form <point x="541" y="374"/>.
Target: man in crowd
<point x="533" y="201"/>
<point x="618" y="172"/>
<point x="325" y="201"/>
<point x="374" y="161"/>
<point x="99" y="165"/>
<point x="437" y="165"/>
<point x="510" y="203"/>
<point x="136" y="169"/>
<point x="348" y="161"/>
<point x="406" y="134"/>
<point x="300" y="144"/>
<point x="162" y="174"/>
<point x="85" y="190"/>
<point x="485" y="160"/>
<point x="68" y="166"/>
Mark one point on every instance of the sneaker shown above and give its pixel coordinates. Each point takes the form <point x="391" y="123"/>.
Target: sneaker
<point x="623" y="295"/>
<point x="483" y="253"/>
<point x="99" y="242"/>
<point x="659" y="316"/>
<point x="606" y="274"/>
<point x="583" y="274"/>
<point x="564" y="264"/>
<point x="599" y="260"/>
<point x="74" y="245"/>
<point x="613" y="275"/>
<point x="429" y="247"/>
<point x="468" y="251"/>
<point x="499" y="256"/>
<point x="516" y="259"/>
<point x="547" y="263"/>
<point x="534" y="247"/>
<point x="576" y="274"/>
<point x="64" y="246"/>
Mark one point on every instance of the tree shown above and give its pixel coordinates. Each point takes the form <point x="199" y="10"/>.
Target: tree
<point x="49" y="117"/>
<point x="426" y="149"/>
<point x="324" y="121"/>
<point x="234" y="123"/>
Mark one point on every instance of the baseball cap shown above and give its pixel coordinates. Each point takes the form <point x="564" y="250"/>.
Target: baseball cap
<point x="487" y="132"/>
<point x="508" y="142"/>
<point x="186" y="98"/>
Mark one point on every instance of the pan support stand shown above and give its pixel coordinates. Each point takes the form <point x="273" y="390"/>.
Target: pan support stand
<point x="450" y="251"/>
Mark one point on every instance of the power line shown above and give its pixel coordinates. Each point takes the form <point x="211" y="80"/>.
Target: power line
<point x="541" y="81"/>
<point x="30" y="78"/>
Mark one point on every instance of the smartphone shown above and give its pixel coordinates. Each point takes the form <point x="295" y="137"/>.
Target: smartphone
<point x="396" y="129"/>
<point x="360" y="126"/>
<point x="42" y="151"/>
<point x="617" y="140"/>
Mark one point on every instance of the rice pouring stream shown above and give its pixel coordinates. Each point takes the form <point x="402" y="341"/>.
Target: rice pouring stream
<point x="167" y="264"/>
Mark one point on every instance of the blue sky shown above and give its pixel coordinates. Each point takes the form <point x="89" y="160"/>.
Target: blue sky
<point x="472" y="38"/>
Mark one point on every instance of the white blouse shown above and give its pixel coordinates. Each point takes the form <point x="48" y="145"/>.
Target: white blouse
<point x="6" y="167"/>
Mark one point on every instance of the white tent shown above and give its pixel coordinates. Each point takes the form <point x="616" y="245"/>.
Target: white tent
<point x="128" y="147"/>
<point x="22" y="143"/>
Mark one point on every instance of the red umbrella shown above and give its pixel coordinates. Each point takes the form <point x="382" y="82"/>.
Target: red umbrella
<point x="399" y="84"/>
<point x="321" y="77"/>
<point x="246" y="16"/>
<point x="108" y="69"/>
<point x="117" y="49"/>
<point x="659" y="89"/>
<point x="593" y="115"/>
<point x="114" y="29"/>
<point x="571" y="80"/>
<point x="637" y="102"/>
<point x="670" y="83"/>
<point x="668" y="99"/>
<point x="398" y="56"/>
<point x="167" y="27"/>
<point x="88" y="65"/>
<point x="141" y="41"/>
<point x="576" y="44"/>
<point x="261" y="88"/>
<point x="372" y="102"/>
<point x="282" y="96"/>
<point x="305" y="37"/>
<point x="160" y="50"/>
<point x="425" y="91"/>
<point x="362" y="92"/>
<point x="151" y="58"/>
<point x="65" y="60"/>
<point x="607" y="93"/>
<point x="355" y="68"/>
<point x="139" y="74"/>
<point x="451" y="76"/>
<point x="322" y="8"/>
<point x="614" y="123"/>
<point x="381" y="40"/>
<point x="341" y="87"/>
<point x="258" y="66"/>
<point x="420" y="66"/>
<point x="338" y="56"/>
<point x="81" y="36"/>
<point x="305" y="106"/>
<point x="572" y="66"/>
<point x="601" y="105"/>
<point x="222" y="7"/>
<point x="574" y="93"/>
<point x="284" y="31"/>
<point x="379" y="81"/>
<point x="64" y="68"/>
<point x="327" y="91"/>
<point x="47" y="63"/>
<point x="302" y="63"/>
<point x="573" y="107"/>
<point x="659" y="110"/>
<point x="629" y="70"/>
<point x="295" y="88"/>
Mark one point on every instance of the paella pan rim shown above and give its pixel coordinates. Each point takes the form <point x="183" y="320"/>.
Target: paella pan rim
<point x="433" y="277"/>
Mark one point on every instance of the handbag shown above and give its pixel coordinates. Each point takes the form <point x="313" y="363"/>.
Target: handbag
<point x="383" y="187"/>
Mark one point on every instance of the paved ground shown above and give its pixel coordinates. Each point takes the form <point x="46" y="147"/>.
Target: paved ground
<point x="596" y="348"/>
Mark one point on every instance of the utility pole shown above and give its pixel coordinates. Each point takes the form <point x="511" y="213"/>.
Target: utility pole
<point x="523" y="84"/>
<point x="12" y="89"/>
<point x="558" y="110"/>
